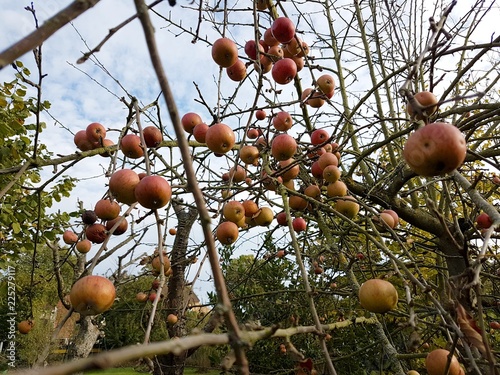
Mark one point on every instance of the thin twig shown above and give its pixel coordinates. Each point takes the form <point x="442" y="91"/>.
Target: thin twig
<point x="37" y="37"/>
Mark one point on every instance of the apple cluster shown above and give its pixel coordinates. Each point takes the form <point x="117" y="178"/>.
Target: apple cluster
<point x="151" y="294"/>
<point x="106" y="210"/>
<point x="94" y="136"/>
<point x="281" y="52"/>
<point x="125" y="186"/>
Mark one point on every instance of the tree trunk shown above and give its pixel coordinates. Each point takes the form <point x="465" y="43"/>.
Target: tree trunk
<point x="85" y="339"/>
<point x="170" y="364"/>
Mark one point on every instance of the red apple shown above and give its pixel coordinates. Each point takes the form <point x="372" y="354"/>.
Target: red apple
<point x="200" y="132"/>
<point x="131" y="146"/>
<point x="297" y="203"/>
<point x="269" y="39"/>
<point x="313" y="191"/>
<point x="326" y="84"/>
<point x="283" y="147"/>
<point x="152" y="297"/>
<point x="318" y="270"/>
<point x="275" y="53"/>
<point x="253" y="133"/>
<point x="227" y="232"/>
<point x="316" y="170"/>
<point x="237" y="174"/>
<point x="383" y="219"/>
<point x="120" y="229"/>
<point x="297" y="47"/>
<point x="89" y="217"/>
<point x="220" y="138"/>
<point x="494" y="325"/>
<point x="284" y="71"/>
<point x="95" y="132"/>
<point x="25" y="326"/>
<point x="436" y="363"/>
<point x="172" y="319"/>
<point x="283" y="29"/>
<point x="251" y="49"/>
<point x="427" y="100"/>
<point x="312" y="98"/>
<point x="299" y="224"/>
<point x="394" y="215"/>
<point x="92" y="295"/>
<point x="122" y="185"/>
<point x="96" y="233"/>
<point x="106" y="143"/>
<point x="190" y="120"/>
<point x="70" y="237"/>
<point x="260" y="114"/>
<point x="82" y="141"/>
<point x="153" y="192"/>
<point x="282" y="121"/>
<point x="281" y="218"/>
<point x="224" y="52"/>
<point x="264" y="65"/>
<point x="141" y="297"/>
<point x="483" y="221"/>
<point x="435" y="149"/>
<point x="83" y="246"/>
<point x="251" y="208"/>
<point x="152" y="136"/>
<point x="327" y="159"/>
<point x="319" y="136"/>
<point x="289" y="171"/>
<point x="299" y="62"/>
<point x="237" y="72"/>
<point x="106" y="209"/>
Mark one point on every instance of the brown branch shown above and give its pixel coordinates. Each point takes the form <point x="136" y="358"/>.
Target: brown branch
<point x="111" y="32"/>
<point x="37" y="37"/>
<point x="116" y="357"/>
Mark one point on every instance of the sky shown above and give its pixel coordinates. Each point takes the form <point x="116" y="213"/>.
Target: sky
<point x="85" y="93"/>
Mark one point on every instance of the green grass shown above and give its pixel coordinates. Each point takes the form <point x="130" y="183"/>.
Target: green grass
<point x="194" y="371"/>
<point x="116" y="371"/>
<point x="131" y="371"/>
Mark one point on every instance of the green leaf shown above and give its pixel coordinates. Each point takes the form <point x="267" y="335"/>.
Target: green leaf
<point x="16" y="227"/>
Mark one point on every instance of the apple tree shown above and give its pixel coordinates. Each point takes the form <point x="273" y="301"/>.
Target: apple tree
<point x="336" y="163"/>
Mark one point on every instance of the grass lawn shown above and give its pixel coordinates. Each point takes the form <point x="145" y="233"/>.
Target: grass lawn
<point x="131" y="371"/>
<point x="116" y="371"/>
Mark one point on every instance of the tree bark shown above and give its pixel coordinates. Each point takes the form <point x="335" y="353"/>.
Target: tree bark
<point x="171" y="364"/>
<point x="447" y="243"/>
<point x="85" y="339"/>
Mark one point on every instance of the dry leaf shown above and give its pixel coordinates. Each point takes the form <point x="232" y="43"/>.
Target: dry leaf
<point x="470" y="329"/>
